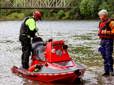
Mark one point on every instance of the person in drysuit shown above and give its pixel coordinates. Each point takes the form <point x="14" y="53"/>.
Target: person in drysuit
<point x="106" y="34"/>
<point x="27" y="31"/>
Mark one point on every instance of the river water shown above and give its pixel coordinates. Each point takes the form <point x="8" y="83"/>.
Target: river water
<point x="10" y="48"/>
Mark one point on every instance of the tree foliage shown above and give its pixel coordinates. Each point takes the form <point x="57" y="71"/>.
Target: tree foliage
<point x="88" y="7"/>
<point x="83" y="9"/>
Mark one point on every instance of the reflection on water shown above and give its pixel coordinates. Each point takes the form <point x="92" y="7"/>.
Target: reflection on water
<point x="10" y="48"/>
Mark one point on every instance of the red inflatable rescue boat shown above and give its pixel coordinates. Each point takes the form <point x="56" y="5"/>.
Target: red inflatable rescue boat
<point x="56" y="65"/>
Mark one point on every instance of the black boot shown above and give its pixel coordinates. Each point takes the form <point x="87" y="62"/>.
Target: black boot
<point x="105" y="74"/>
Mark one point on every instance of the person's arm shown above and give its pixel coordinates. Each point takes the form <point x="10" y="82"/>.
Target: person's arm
<point x="112" y="26"/>
<point x="31" y="24"/>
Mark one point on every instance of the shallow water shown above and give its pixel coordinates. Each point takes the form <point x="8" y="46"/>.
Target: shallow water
<point x="10" y="48"/>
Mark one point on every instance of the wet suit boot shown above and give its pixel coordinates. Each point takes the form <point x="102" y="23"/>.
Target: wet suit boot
<point x="105" y="74"/>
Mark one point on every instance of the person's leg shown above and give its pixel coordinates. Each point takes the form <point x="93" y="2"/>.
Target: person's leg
<point x="109" y="50"/>
<point x="26" y="51"/>
<point x="25" y="56"/>
<point x="102" y="50"/>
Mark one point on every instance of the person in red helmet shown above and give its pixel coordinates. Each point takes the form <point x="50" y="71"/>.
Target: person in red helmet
<point x="37" y="15"/>
<point x="27" y="31"/>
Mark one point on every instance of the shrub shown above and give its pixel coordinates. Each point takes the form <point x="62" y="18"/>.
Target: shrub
<point x="15" y="16"/>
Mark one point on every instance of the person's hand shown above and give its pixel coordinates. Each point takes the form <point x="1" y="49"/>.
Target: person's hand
<point x="103" y="31"/>
<point x="106" y="32"/>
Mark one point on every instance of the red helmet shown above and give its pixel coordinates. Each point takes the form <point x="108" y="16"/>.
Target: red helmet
<point x="37" y="15"/>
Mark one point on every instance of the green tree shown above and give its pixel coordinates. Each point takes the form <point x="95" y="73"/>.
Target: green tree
<point x="75" y="11"/>
<point x="88" y="7"/>
<point x="104" y="5"/>
<point x="60" y="14"/>
<point x="111" y="5"/>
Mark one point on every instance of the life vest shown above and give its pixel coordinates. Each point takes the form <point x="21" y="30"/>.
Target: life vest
<point x="24" y="30"/>
<point x="106" y="31"/>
